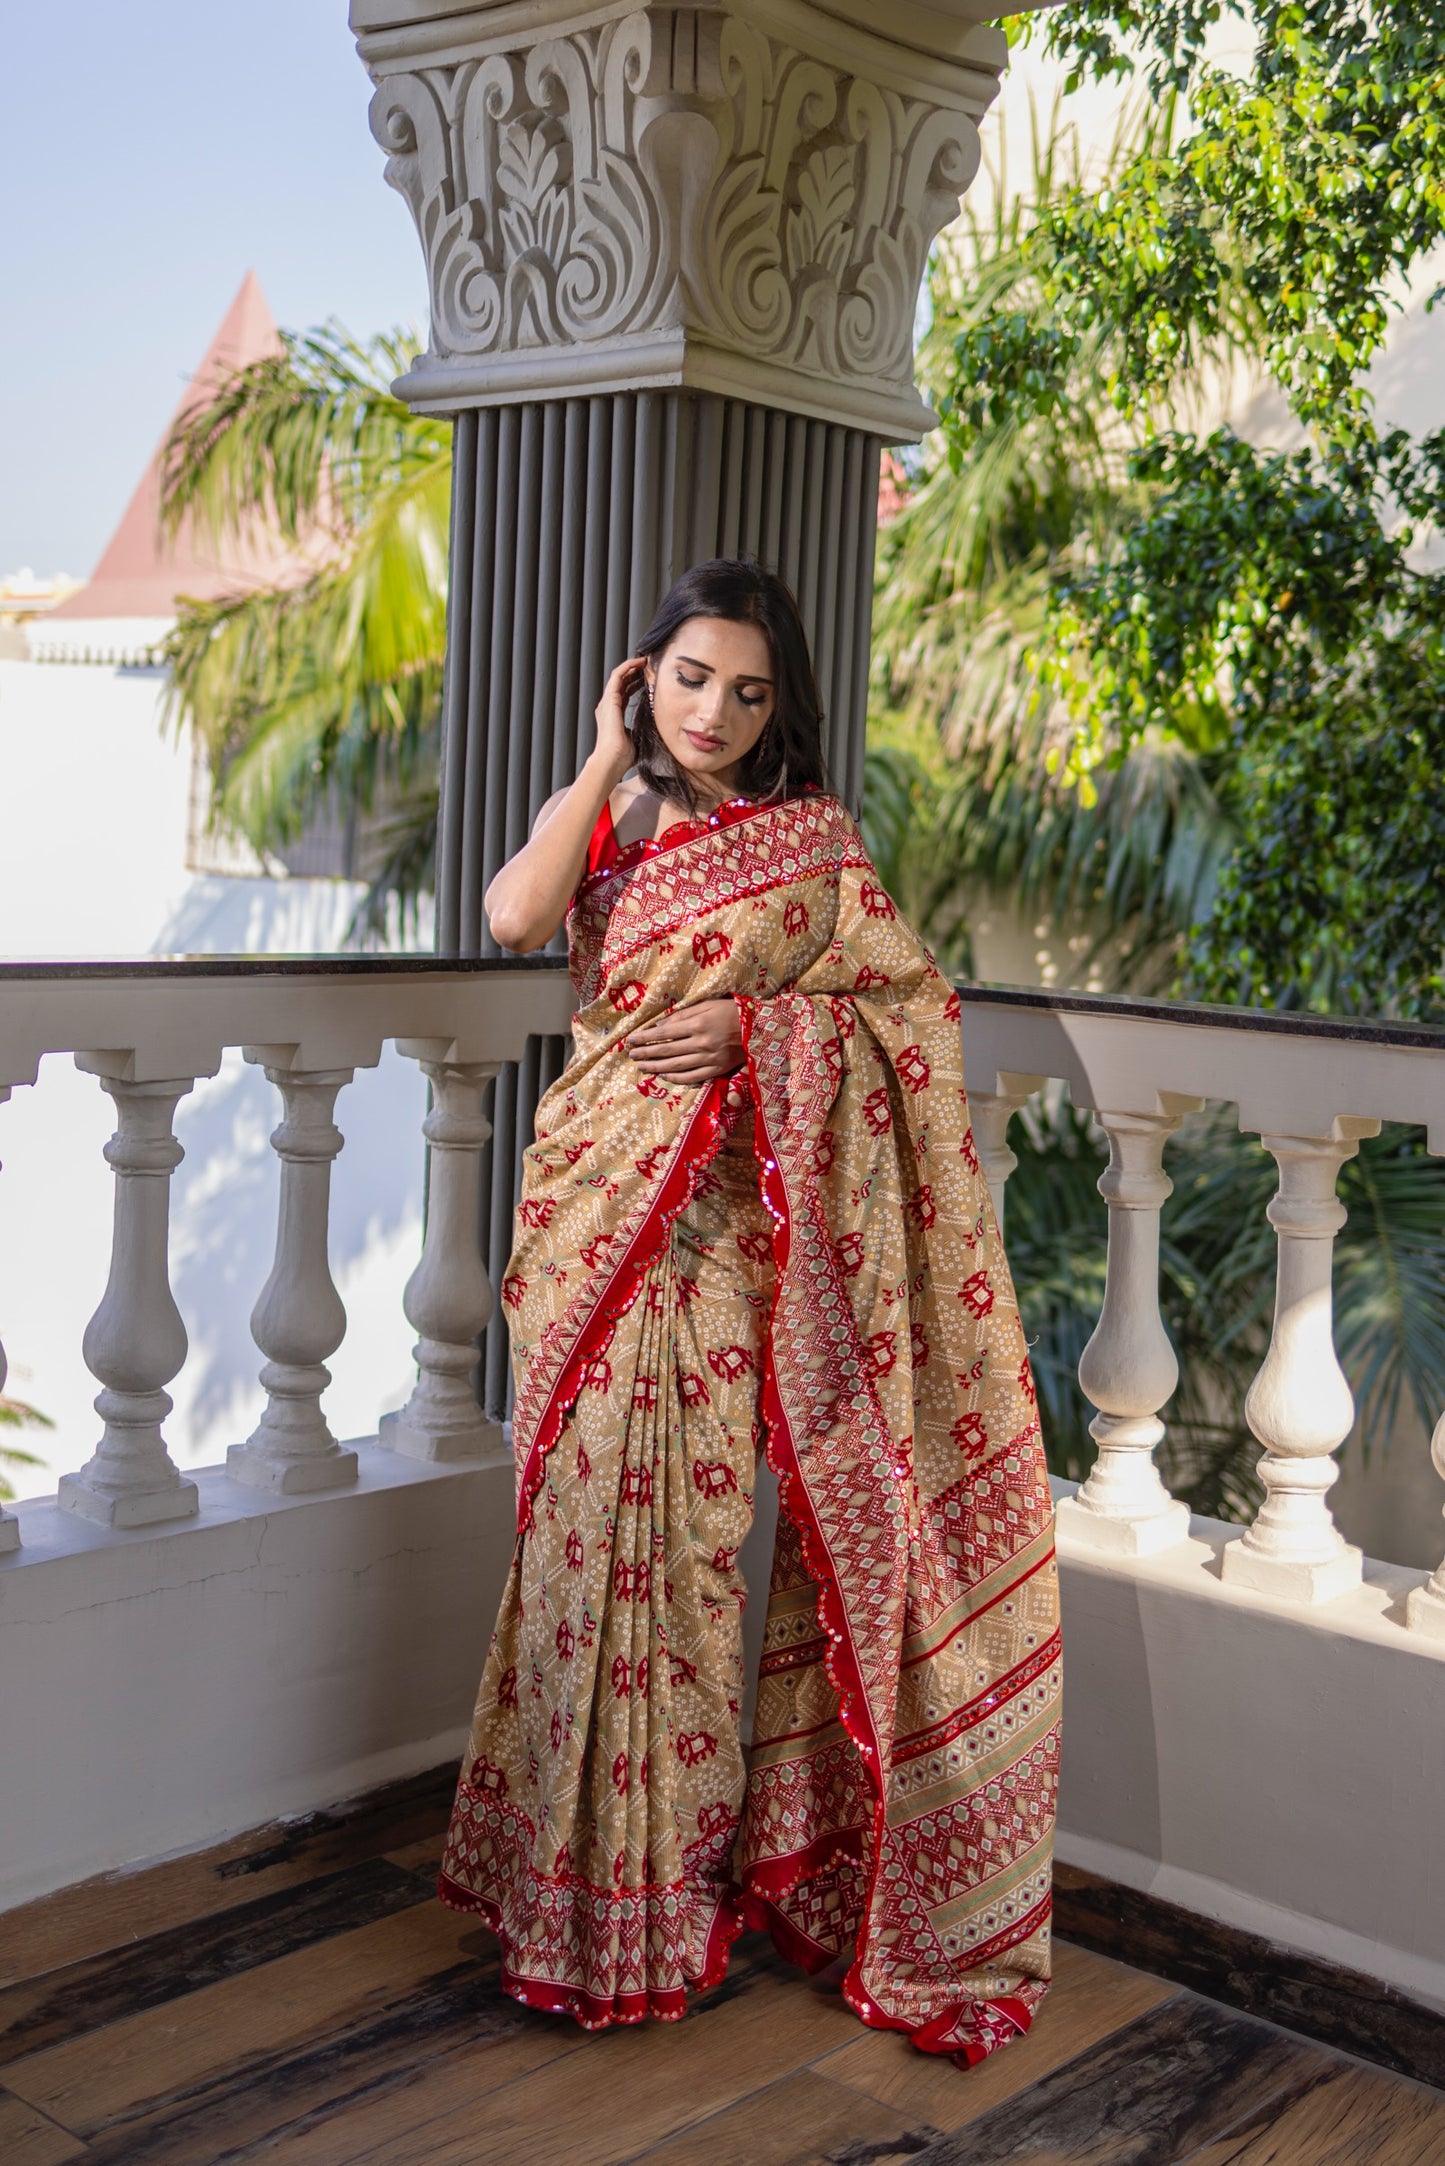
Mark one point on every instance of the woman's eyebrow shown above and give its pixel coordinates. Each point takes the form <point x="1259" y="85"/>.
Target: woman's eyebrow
<point x="744" y="679"/>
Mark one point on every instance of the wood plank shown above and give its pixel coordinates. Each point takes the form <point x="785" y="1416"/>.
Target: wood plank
<point x="165" y="1966"/>
<point x="803" y="2121"/>
<point x="1359" y="2114"/>
<point x="422" y="1858"/>
<point x="1089" y="1998"/>
<point x="620" y="2091"/>
<point x="276" y="2101"/>
<point x="1341" y="2008"/>
<point x="1149" y="2095"/>
<point x="114" y="1908"/>
<point x="225" y="2032"/>
<point x="28" y="2138"/>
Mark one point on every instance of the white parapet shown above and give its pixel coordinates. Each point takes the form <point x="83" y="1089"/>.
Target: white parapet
<point x="165" y="1687"/>
<point x="1273" y="1764"/>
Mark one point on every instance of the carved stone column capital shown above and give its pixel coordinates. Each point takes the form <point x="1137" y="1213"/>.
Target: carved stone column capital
<point x="736" y="198"/>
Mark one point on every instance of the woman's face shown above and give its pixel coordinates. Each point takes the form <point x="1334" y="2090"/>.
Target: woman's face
<point x="712" y="695"/>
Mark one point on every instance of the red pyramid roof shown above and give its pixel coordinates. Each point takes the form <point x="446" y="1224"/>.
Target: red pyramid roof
<point x="142" y="573"/>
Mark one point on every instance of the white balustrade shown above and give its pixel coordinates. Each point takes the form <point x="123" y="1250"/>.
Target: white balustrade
<point x="299" y="1318"/>
<point x="1300" y="1406"/>
<point x="1128" y="1369"/>
<point x="135" y="1342"/>
<point x="9" y="1524"/>
<point x="991" y="1111"/>
<point x="448" y="1297"/>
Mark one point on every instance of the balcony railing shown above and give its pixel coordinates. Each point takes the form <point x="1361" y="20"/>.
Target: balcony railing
<point x="1311" y="1089"/>
<point x="147" y="1032"/>
<point x="1237" y="1696"/>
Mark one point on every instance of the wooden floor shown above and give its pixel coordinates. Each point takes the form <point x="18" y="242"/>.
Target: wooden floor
<point x="299" y="1996"/>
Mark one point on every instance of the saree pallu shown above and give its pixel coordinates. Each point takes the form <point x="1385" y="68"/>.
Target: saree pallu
<point x="802" y="1258"/>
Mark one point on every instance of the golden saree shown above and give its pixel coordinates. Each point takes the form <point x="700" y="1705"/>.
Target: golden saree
<point x="800" y="1258"/>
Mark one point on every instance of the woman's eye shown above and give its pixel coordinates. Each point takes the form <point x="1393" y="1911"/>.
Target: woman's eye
<point x="694" y="684"/>
<point x="755" y="701"/>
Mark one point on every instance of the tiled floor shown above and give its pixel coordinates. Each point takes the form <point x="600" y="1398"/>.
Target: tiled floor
<point x="302" y="1998"/>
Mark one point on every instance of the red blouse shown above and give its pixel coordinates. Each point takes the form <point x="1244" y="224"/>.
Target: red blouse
<point x="604" y="850"/>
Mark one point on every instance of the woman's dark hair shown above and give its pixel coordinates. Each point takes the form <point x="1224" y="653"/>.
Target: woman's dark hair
<point x="788" y="757"/>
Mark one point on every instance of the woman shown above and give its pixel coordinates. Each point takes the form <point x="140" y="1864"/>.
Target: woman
<point x="753" y="1218"/>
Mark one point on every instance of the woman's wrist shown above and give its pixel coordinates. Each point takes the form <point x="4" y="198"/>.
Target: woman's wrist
<point x="603" y="774"/>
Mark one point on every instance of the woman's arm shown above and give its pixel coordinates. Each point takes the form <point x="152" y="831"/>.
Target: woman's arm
<point x="529" y="898"/>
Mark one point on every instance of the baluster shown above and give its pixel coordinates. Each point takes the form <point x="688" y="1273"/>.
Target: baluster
<point x="1425" y="1606"/>
<point x="1128" y="1369"/>
<point x="991" y="1112"/>
<point x="1299" y="1406"/>
<point x="9" y="1524"/>
<point x="135" y="1342"/>
<point x="299" y="1318"/>
<point x="448" y="1297"/>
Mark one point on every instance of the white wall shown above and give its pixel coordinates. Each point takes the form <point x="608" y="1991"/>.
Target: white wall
<point x="165" y="1688"/>
<point x="94" y="794"/>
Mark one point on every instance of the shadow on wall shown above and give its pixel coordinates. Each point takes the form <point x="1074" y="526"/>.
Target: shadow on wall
<point x="224" y="1232"/>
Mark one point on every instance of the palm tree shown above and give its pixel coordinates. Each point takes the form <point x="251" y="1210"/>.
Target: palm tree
<point x="325" y="686"/>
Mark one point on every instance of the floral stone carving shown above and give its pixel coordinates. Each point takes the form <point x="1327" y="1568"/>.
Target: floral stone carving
<point x="739" y="202"/>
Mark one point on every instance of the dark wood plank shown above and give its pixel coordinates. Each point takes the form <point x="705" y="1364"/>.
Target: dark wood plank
<point x="1186" y="2073"/>
<point x="146" y="2064"/>
<point x="803" y="2121"/>
<point x="1358" y="2116"/>
<point x="1089" y="1998"/>
<point x="27" y="2138"/>
<point x="1337" y="2007"/>
<point x="115" y="1908"/>
<point x="620" y="2091"/>
<point x="165" y="1966"/>
<point x="460" y="2017"/>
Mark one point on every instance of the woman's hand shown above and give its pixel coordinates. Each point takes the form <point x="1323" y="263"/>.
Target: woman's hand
<point x="692" y="1045"/>
<point x="527" y="900"/>
<point x="614" y="746"/>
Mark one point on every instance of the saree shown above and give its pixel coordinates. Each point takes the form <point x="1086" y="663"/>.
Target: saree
<point x="799" y="1258"/>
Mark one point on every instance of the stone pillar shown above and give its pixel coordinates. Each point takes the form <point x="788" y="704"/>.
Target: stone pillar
<point x="1299" y="1406"/>
<point x="1129" y="1369"/>
<point x="991" y="1112"/>
<point x="135" y="1342"/>
<point x="673" y="257"/>
<point x="448" y="1297"/>
<point x="299" y="1317"/>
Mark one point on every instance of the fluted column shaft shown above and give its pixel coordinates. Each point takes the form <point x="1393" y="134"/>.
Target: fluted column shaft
<point x="448" y="1297"/>
<point x="135" y="1342"/>
<point x="1299" y="1405"/>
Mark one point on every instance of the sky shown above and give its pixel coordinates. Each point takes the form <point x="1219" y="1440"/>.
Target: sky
<point x="152" y="154"/>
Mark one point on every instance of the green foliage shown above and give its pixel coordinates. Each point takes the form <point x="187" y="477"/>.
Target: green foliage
<point x="1262" y="608"/>
<point x="326" y="682"/>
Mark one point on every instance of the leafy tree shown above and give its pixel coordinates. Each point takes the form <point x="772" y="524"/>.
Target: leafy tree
<point x="1268" y="597"/>
<point x="1189" y="693"/>
<point x="326" y="685"/>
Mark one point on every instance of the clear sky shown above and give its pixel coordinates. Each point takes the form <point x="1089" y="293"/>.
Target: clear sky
<point x="152" y="153"/>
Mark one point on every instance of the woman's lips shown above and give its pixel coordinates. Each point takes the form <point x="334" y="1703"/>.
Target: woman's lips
<point x="704" y="744"/>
